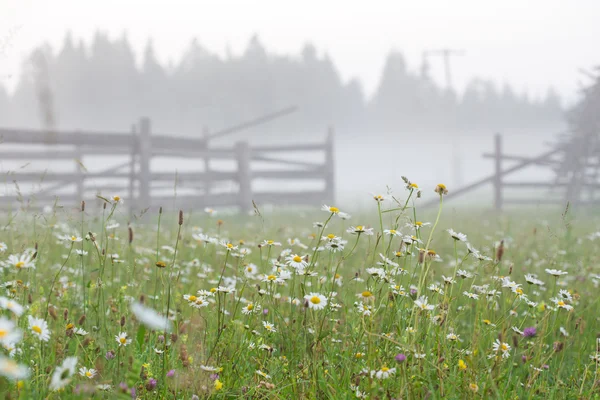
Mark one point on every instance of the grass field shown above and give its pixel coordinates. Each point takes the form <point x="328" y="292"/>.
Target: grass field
<point x="393" y="304"/>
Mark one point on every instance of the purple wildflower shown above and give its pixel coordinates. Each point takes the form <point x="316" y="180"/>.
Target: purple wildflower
<point x="529" y="332"/>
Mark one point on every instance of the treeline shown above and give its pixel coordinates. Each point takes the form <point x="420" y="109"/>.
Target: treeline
<point x="100" y="87"/>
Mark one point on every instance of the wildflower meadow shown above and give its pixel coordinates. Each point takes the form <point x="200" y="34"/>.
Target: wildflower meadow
<point x="392" y="302"/>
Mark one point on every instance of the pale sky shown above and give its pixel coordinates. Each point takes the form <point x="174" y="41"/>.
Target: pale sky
<point x="532" y="44"/>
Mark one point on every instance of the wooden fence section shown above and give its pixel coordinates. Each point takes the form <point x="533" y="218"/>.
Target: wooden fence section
<point x="159" y="170"/>
<point x="553" y="191"/>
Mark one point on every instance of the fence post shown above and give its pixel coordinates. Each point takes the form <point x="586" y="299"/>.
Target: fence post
<point x="329" y="167"/>
<point x="242" y="151"/>
<point x="207" y="183"/>
<point x="132" y="162"/>
<point x="79" y="170"/>
<point x="498" y="171"/>
<point x="145" y="154"/>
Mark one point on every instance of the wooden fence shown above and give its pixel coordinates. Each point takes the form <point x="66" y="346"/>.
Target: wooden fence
<point x="148" y="170"/>
<point x="556" y="190"/>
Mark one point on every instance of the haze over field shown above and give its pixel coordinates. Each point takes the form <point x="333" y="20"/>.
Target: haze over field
<point x="373" y="73"/>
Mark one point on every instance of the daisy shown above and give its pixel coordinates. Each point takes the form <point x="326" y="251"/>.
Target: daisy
<point x="360" y="229"/>
<point x="12" y="370"/>
<point x="383" y="373"/>
<point x="250" y="308"/>
<point x="297" y="262"/>
<point x="250" y="270"/>
<point x="228" y="245"/>
<point x="392" y="232"/>
<point x="72" y="238"/>
<point x="22" y="261"/>
<point x="9" y="333"/>
<point x="555" y="272"/>
<point x="335" y="245"/>
<point x="561" y="304"/>
<point x="316" y="301"/>
<point x="88" y="373"/>
<point x="461" y="273"/>
<point x="453" y="337"/>
<point x="422" y="304"/>
<point x="335" y="211"/>
<point x="209" y="368"/>
<point x="499" y="346"/>
<point x="80" y="331"/>
<point x="562" y="293"/>
<point x="461" y="237"/>
<point x="269" y="327"/>
<point x="117" y="200"/>
<point x="272" y="279"/>
<point x="62" y="374"/>
<point x="122" y="339"/>
<point x="150" y="318"/>
<point x="210" y="211"/>
<point x="532" y="280"/>
<point x="470" y="295"/>
<point x="270" y="243"/>
<point x="264" y="375"/>
<point x="39" y="327"/>
<point x="3" y="247"/>
<point x="11" y="305"/>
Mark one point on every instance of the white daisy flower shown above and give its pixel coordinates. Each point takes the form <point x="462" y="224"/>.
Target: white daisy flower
<point x="39" y="328"/>
<point x="316" y="301"/>
<point x="63" y="373"/>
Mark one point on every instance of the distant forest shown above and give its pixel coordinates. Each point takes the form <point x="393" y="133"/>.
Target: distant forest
<point x="100" y="87"/>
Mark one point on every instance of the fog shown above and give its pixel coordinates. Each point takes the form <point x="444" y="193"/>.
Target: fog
<point x="375" y="77"/>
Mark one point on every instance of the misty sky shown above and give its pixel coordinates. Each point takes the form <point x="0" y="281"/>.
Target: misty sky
<point x="531" y="44"/>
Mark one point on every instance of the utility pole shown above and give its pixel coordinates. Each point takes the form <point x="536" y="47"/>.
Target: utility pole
<point x="446" y="53"/>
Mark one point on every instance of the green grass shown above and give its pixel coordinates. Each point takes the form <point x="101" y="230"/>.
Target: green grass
<point x="330" y="353"/>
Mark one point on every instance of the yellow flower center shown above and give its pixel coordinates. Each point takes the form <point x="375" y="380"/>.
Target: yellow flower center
<point x="249" y="269"/>
<point x="297" y="259"/>
<point x="3" y="333"/>
<point x="88" y="374"/>
<point x="487" y="321"/>
<point x="359" y="228"/>
<point x="561" y="303"/>
<point x="20" y="264"/>
<point x="123" y="340"/>
<point x="366" y="293"/>
<point x="385" y="369"/>
<point x="504" y="347"/>
<point x="116" y="198"/>
<point x="229" y="246"/>
<point x="413" y="186"/>
<point x="337" y="276"/>
<point x="315" y="299"/>
<point x="73" y="238"/>
<point x="36" y="329"/>
<point x="418" y="223"/>
<point x="250" y="307"/>
<point x="393" y="231"/>
<point x="270" y="242"/>
<point x="212" y="290"/>
<point x="334" y="210"/>
<point x="193" y="298"/>
<point x="271" y="277"/>
<point x="331" y="236"/>
<point x="70" y="326"/>
<point x="519" y="291"/>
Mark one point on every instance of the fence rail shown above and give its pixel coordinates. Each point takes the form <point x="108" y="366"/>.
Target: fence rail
<point x="150" y="163"/>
